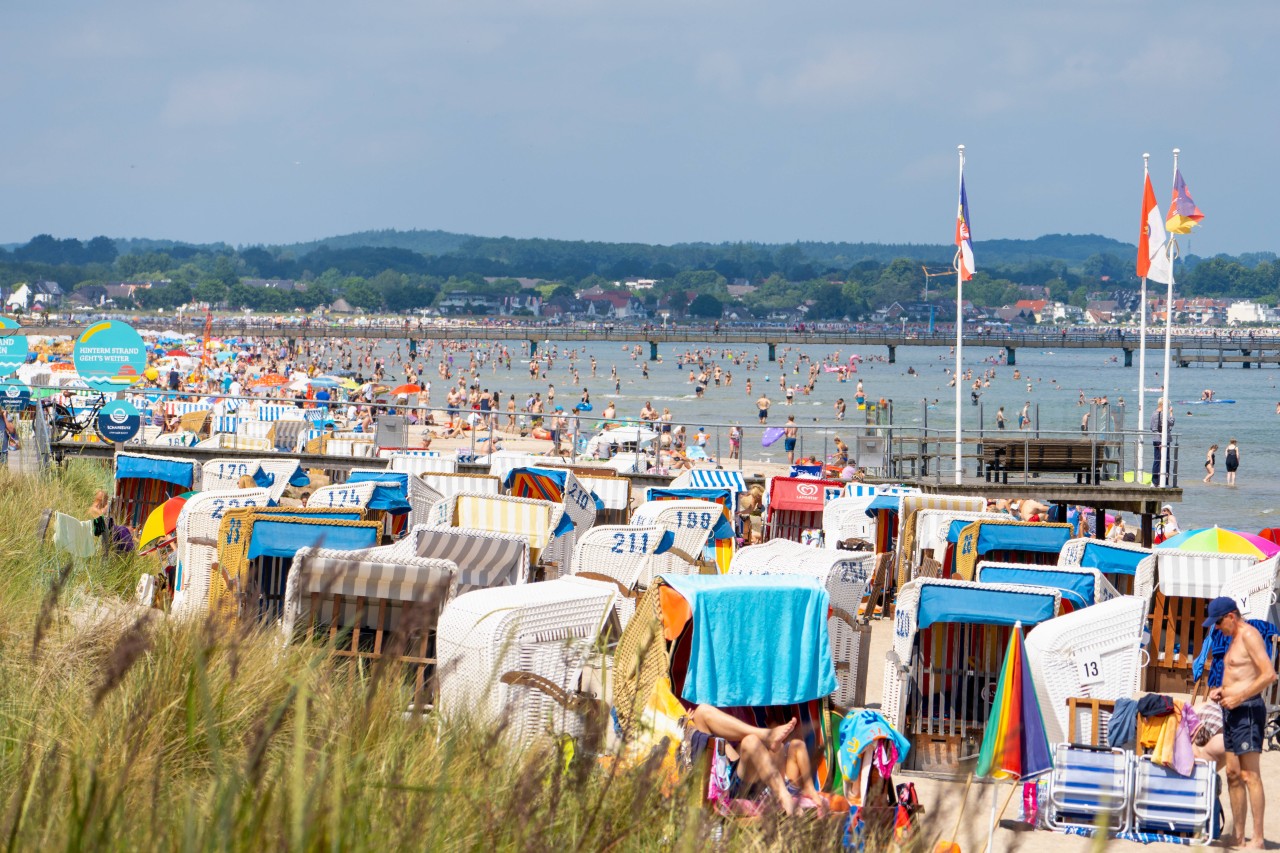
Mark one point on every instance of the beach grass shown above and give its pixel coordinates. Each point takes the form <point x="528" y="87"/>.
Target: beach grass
<point x="122" y="728"/>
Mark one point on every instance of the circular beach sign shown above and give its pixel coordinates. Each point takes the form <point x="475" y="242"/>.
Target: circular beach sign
<point x="110" y="356"/>
<point x="13" y="346"/>
<point x="119" y="421"/>
<point x="14" y="395"/>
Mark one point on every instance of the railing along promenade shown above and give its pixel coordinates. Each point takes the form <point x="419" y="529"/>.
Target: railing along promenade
<point x="1202" y="347"/>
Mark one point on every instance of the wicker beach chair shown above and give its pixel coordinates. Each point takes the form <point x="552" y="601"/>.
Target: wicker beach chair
<point x="937" y="534"/>
<point x="694" y="524"/>
<point x="1095" y="652"/>
<point x="539" y="521"/>
<point x="1080" y="587"/>
<point x="516" y="655"/>
<point x="256" y="548"/>
<point x="417" y="462"/>
<point x="1130" y="568"/>
<point x="143" y="482"/>
<point x="342" y="496"/>
<point x="368" y="605"/>
<point x="846" y="576"/>
<point x="197" y="543"/>
<point x="949" y="642"/>
<point x="450" y="484"/>
<point x="484" y="558"/>
<point x="619" y="554"/>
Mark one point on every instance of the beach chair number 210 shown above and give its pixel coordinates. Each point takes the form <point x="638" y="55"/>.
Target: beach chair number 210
<point x="629" y="540"/>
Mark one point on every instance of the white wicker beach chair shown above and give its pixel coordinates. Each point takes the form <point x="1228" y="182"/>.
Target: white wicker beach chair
<point x="1094" y="652"/>
<point x="343" y="496"/>
<point x="197" y="543"/>
<point x="422" y="499"/>
<point x="846" y="518"/>
<point x="449" y="485"/>
<point x="692" y="523"/>
<point x="223" y="474"/>
<point x="1118" y="560"/>
<point x="1254" y="587"/>
<point x="904" y="678"/>
<point x="845" y="575"/>
<point x="932" y="528"/>
<point x="618" y="554"/>
<point x="516" y="654"/>
<point x="175" y="439"/>
<point x="484" y="558"/>
<point x="909" y="507"/>
<point x="536" y="520"/>
<point x="417" y="462"/>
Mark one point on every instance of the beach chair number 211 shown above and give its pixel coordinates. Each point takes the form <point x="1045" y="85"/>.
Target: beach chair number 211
<point x="630" y="541"/>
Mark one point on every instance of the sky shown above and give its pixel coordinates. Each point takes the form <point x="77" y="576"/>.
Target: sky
<point x="660" y="122"/>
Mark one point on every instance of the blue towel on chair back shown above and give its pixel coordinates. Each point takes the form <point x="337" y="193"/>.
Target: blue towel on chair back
<point x="756" y="640"/>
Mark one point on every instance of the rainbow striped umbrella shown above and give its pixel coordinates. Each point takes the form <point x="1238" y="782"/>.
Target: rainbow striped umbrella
<point x="1222" y="540"/>
<point x="1014" y="745"/>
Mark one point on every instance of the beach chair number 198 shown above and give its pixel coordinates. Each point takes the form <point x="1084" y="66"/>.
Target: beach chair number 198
<point x="693" y="520"/>
<point x="629" y="540"/>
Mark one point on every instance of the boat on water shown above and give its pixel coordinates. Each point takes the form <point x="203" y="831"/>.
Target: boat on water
<point x="1206" y="402"/>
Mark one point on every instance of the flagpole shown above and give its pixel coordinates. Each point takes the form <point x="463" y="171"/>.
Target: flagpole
<point x="1168" y="340"/>
<point x="959" y="340"/>
<point x="1142" y="358"/>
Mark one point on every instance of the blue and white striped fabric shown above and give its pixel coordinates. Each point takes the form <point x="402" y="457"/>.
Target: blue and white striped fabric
<point x="227" y="423"/>
<point x="276" y="412"/>
<point x="708" y="478"/>
<point x="180" y="408"/>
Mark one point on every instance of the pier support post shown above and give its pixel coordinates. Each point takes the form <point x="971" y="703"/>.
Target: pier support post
<point x="1128" y="357"/>
<point x="1011" y="355"/>
<point x="533" y="348"/>
<point x="893" y="354"/>
<point x="653" y="354"/>
<point x="773" y="352"/>
<point x="1246" y="353"/>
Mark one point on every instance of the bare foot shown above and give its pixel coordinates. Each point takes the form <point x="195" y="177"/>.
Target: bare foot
<point x="1258" y="843"/>
<point x="778" y="735"/>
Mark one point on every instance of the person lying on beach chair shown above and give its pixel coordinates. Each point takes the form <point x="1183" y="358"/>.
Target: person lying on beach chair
<point x="775" y="760"/>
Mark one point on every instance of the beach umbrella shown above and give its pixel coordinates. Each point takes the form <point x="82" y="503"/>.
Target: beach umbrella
<point x="178" y="352"/>
<point x="271" y="380"/>
<point x="350" y="385"/>
<point x="1014" y="744"/>
<point x="1222" y="540"/>
<point x="162" y="521"/>
<point x="407" y="389"/>
<point x="325" y="382"/>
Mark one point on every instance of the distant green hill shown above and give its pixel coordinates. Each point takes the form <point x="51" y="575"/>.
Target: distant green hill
<point x="422" y="242"/>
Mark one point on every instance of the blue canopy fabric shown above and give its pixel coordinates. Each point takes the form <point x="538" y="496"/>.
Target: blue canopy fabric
<point x="953" y="530"/>
<point x="176" y="471"/>
<point x="1077" y="587"/>
<point x="392" y="492"/>
<point x="973" y="604"/>
<point x="1021" y="537"/>
<point x="723" y="528"/>
<point x="284" y="538"/>
<point x="265" y="479"/>
<point x="757" y="640"/>
<point x="1106" y="559"/>
<point x="879" y="502"/>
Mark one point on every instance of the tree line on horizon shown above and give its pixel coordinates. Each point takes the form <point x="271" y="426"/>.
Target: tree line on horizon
<point x="836" y="280"/>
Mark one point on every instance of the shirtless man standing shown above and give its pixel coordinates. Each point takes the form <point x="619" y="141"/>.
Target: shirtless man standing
<point x="1247" y="671"/>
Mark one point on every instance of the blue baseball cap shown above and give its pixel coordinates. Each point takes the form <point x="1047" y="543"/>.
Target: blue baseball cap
<point x="1220" y="607"/>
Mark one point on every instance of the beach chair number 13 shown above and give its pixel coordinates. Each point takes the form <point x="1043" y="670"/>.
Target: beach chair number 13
<point x="630" y="540"/>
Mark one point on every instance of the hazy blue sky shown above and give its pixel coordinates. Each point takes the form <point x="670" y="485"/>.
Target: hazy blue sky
<point x="662" y="121"/>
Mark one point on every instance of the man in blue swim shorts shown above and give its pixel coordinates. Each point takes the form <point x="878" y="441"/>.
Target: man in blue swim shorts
<point x="1247" y="671"/>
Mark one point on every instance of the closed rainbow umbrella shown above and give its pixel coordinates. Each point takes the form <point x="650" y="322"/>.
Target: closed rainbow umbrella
<point x="1014" y="745"/>
<point x="1222" y="540"/>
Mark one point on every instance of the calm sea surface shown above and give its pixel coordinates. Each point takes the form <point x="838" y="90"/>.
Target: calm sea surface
<point x="1056" y="381"/>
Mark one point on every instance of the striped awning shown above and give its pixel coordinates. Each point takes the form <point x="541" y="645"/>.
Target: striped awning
<point x="484" y="558"/>
<point x="377" y="574"/>
<point x="709" y="478"/>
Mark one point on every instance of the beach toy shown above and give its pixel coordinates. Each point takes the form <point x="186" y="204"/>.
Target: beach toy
<point x="771" y="436"/>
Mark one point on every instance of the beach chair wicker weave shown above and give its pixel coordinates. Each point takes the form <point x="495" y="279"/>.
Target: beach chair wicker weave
<point x="496" y="646"/>
<point x="197" y="543"/>
<point x="1130" y="567"/>
<point x="484" y="558"/>
<point x="1094" y="652"/>
<point x="618" y="554"/>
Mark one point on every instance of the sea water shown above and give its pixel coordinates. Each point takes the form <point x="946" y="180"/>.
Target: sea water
<point x="1056" y="379"/>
